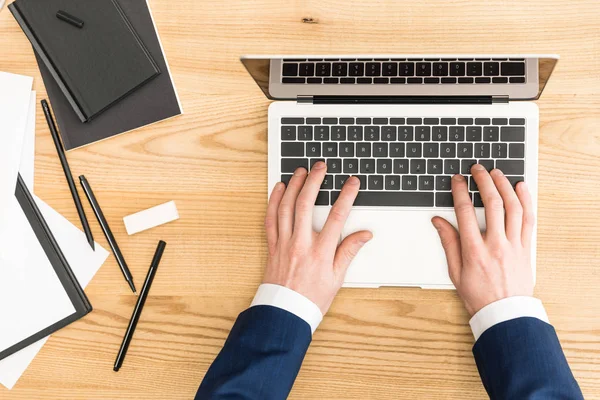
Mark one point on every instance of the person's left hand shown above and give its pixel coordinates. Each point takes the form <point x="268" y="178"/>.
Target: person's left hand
<point x="309" y="262"/>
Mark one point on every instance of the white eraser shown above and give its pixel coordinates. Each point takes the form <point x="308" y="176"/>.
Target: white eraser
<point x="155" y="216"/>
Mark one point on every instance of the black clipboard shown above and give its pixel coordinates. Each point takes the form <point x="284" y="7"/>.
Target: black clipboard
<point x="61" y="267"/>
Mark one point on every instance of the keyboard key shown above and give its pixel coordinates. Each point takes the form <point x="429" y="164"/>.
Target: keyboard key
<point x="457" y="134"/>
<point x="514" y="180"/>
<point x="363" y="121"/>
<point x="392" y="182"/>
<point x="481" y="150"/>
<point x="482" y="80"/>
<point x="406" y="69"/>
<point x="491" y="134"/>
<point x="431" y="121"/>
<point x="396" y="150"/>
<point x="491" y="69"/>
<point x="313" y="121"/>
<point x="448" y="121"/>
<point x="426" y="182"/>
<point x="397" y="121"/>
<point x="452" y="167"/>
<point x="409" y="182"/>
<point x="313" y="161"/>
<point x="440" y="69"/>
<point x="423" y="69"/>
<point x="405" y="133"/>
<point x="431" y="150"/>
<point x="499" y="150"/>
<point x="321" y="133"/>
<point x="457" y="69"/>
<point x="388" y="133"/>
<point x="511" y="167"/>
<point x="500" y="121"/>
<point x="512" y="134"/>
<point x="292" y="149"/>
<point x="314" y="80"/>
<point x="397" y="199"/>
<point x="447" y="150"/>
<point x="482" y="121"/>
<point x="356" y="69"/>
<point x="293" y="80"/>
<point x="367" y="166"/>
<point x="290" y="70"/>
<point x="512" y="68"/>
<point x="487" y="164"/>
<point x="363" y="181"/>
<point x="384" y="166"/>
<point x="474" y="68"/>
<point x="346" y="149"/>
<point x="364" y="80"/>
<point x="398" y="80"/>
<point x="292" y="121"/>
<point x="339" y="69"/>
<point x="464" y="150"/>
<point x="477" y="201"/>
<point x="448" y="80"/>
<point x="306" y="69"/>
<point x="373" y="69"/>
<point x="338" y="133"/>
<point x="400" y="166"/>
<point x="355" y="133"/>
<point x="443" y="182"/>
<point x="323" y="69"/>
<point x="375" y="182"/>
<point x="499" y="79"/>
<point x="322" y="199"/>
<point x="465" y="80"/>
<point x="517" y="79"/>
<point x="444" y="199"/>
<point x="327" y="182"/>
<point x="414" y="121"/>
<point x="380" y="121"/>
<point x="347" y="81"/>
<point x="389" y="69"/>
<point x="340" y="180"/>
<point x="334" y="165"/>
<point x="380" y="149"/>
<point x="350" y="165"/>
<point x="330" y="150"/>
<point x="413" y="150"/>
<point x="472" y="185"/>
<point x="372" y="133"/>
<point x="331" y="80"/>
<point x="330" y="121"/>
<point x="516" y="150"/>
<point x="289" y="165"/>
<point x="423" y="133"/>
<point x="440" y="133"/>
<point x="363" y="149"/>
<point x="286" y="178"/>
<point x="473" y="133"/>
<point x="434" y="167"/>
<point x="305" y="133"/>
<point x="288" y="133"/>
<point x="465" y="166"/>
<point x="465" y="121"/>
<point x="313" y="149"/>
<point x="517" y="121"/>
<point x="418" y="166"/>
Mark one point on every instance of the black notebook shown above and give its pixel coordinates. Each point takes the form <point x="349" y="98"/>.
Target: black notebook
<point x="95" y="65"/>
<point x="155" y="101"/>
<point x="73" y="292"/>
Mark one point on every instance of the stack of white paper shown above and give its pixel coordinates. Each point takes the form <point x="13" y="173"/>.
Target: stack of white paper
<point x="31" y="297"/>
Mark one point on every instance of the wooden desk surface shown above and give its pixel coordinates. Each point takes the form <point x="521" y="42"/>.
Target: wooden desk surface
<point x="390" y="343"/>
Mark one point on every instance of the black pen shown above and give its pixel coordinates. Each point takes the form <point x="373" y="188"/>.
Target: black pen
<point x="107" y="232"/>
<point x="65" y="165"/>
<point x="137" y="311"/>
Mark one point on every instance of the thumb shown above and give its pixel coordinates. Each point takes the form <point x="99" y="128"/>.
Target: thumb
<point x="348" y="249"/>
<point x="451" y="244"/>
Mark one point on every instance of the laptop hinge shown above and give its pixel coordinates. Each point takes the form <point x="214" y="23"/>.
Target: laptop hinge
<point x="401" y="99"/>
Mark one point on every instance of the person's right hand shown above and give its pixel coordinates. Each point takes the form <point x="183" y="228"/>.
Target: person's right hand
<point x="496" y="264"/>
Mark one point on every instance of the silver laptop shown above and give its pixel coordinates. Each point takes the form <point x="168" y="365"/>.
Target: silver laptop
<point x="403" y="124"/>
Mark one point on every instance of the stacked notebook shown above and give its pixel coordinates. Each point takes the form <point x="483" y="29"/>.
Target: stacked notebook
<point x="102" y="64"/>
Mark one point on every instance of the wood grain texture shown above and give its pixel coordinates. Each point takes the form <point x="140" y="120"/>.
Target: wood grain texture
<point x="391" y="343"/>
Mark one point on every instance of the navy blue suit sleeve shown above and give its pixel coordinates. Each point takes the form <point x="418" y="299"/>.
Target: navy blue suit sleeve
<point x="522" y="359"/>
<point x="260" y="359"/>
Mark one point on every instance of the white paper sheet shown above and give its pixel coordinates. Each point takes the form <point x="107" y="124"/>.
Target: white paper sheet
<point x="28" y="152"/>
<point x="15" y="93"/>
<point x="83" y="261"/>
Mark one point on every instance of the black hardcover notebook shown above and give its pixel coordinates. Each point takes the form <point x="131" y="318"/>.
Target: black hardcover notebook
<point x="96" y="65"/>
<point x="73" y="290"/>
<point x="155" y="101"/>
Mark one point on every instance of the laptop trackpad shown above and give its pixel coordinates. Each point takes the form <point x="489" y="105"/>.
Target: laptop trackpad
<point x="405" y="249"/>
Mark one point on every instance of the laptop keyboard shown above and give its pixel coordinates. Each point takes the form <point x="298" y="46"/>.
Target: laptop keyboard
<point x="403" y="71"/>
<point x="402" y="161"/>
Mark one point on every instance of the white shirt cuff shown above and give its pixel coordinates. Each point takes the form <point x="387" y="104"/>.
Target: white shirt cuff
<point x="278" y="296"/>
<point x="505" y="310"/>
